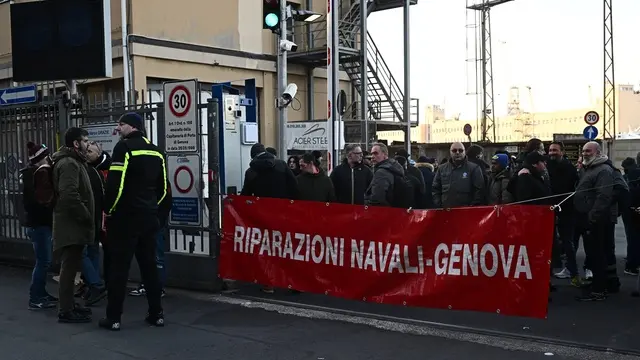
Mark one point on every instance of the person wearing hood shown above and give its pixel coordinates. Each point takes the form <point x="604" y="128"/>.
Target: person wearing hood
<point x="411" y="169"/>
<point x="313" y="182"/>
<point x="352" y="178"/>
<point x="458" y="182"/>
<point x="597" y="212"/>
<point x="499" y="180"/>
<point x="386" y="173"/>
<point x="268" y="176"/>
<point x="426" y="166"/>
<point x="564" y="178"/>
<point x="73" y="219"/>
<point x="630" y="217"/>
<point x="530" y="187"/>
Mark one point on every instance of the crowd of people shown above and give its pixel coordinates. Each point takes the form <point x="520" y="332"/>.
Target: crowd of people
<point x="589" y="196"/>
<point x="79" y="199"/>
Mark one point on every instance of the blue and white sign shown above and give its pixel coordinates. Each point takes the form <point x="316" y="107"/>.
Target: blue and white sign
<point x="185" y="175"/>
<point x="246" y="101"/>
<point x="590" y="132"/>
<point x="18" y="95"/>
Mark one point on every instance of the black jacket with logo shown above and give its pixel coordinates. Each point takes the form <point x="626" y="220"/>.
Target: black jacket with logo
<point x="139" y="167"/>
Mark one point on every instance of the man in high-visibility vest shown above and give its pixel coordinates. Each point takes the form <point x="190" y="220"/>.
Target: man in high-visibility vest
<point x="136" y="184"/>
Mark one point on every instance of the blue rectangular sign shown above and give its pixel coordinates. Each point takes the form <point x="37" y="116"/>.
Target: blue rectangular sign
<point x="185" y="210"/>
<point x="18" y="95"/>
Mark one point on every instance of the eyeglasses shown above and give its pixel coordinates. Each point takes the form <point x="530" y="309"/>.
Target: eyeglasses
<point x="457" y="150"/>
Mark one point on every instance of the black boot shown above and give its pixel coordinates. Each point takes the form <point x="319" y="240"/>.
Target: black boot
<point x="94" y="295"/>
<point x="73" y="317"/>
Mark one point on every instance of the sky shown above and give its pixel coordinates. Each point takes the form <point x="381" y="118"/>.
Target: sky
<point x="553" y="46"/>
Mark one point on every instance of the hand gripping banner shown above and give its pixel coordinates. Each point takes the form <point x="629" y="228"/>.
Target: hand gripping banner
<point x="491" y="259"/>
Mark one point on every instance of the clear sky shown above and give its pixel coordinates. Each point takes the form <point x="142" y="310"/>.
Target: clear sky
<point x="553" y="46"/>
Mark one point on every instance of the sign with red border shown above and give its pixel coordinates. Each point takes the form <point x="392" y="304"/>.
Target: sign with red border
<point x="185" y="175"/>
<point x="591" y="117"/>
<point x="181" y="116"/>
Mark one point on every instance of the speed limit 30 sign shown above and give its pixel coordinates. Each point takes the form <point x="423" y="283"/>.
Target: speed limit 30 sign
<point x="181" y="116"/>
<point x="591" y="117"/>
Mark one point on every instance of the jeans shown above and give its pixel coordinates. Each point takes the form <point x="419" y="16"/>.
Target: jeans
<point x="160" y="264"/>
<point x="43" y="248"/>
<point x="632" y="231"/>
<point x="91" y="265"/>
<point x="566" y="228"/>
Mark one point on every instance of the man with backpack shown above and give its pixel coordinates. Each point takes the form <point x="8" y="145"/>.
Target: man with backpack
<point x="458" y="182"/>
<point x="389" y="186"/>
<point x="38" y="198"/>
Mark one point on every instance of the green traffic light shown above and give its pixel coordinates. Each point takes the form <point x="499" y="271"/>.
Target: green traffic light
<point x="271" y="20"/>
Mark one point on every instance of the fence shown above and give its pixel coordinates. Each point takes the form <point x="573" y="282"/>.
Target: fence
<point x="41" y="123"/>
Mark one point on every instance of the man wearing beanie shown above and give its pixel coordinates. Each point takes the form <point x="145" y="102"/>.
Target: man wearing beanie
<point x="499" y="181"/>
<point x="268" y="176"/>
<point x="136" y="185"/>
<point x="38" y="218"/>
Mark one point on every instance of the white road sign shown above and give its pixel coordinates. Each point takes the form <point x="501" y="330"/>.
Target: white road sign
<point x="185" y="177"/>
<point x="181" y="116"/>
<point x="591" y="117"/>
<point x="105" y="135"/>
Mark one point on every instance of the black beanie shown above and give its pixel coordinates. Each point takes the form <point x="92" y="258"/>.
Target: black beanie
<point x="37" y="152"/>
<point x="257" y="149"/>
<point x="134" y="120"/>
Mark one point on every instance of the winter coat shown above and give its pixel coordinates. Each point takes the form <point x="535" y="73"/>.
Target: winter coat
<point x="458" y="185"/>
<point x="74" y="211"/>
<point x="316" y="187"/>
<point x="594" y="193"/>
<point x="428" y="174"/>
<point x="530" y="186"/>
<point x="380" y="192"/>
<point x="269" y="177"/>
<point x="564" y="178"/>
<point x="350" y="184"/>
<point x="498" y="188"/>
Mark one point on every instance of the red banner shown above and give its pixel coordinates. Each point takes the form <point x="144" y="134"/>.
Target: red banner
<point x="482" y="258"/>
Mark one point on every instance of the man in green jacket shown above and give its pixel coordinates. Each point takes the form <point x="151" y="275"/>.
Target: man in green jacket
<point x="73" y="219"/>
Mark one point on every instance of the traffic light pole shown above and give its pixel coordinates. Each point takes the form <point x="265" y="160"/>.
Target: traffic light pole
<point x="282" y="81"/>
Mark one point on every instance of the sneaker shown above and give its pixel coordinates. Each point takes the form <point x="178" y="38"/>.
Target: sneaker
<point x="592" y="296"/>
<point x="155" y="320"/>
<point x="576" y="282"/>
<point x="109" y="325"/>
<point x="41" y="304"/>
<point x="94" y="295"/>
<point x="163" y="293"/>
<point x="631" y="271"/>
<point x="588" y="275"/>
<point x="74" y="317"/>
<point x="564" y="274"/>
<point x="140" y="291"/>
<point x="51" y="298"/>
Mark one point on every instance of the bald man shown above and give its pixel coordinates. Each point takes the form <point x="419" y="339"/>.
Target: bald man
<point x="458" y="182"/>
<point x="597" y="211"/>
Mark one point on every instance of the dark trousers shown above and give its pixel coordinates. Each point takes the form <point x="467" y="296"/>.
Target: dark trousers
<point x="632" y="231"/>
<point x="128" y="236"/>
<point x="106" y="259"/>
<point x="566" y="226"/>
<point x="70" y="264"/>
<point x="597" y="249"/>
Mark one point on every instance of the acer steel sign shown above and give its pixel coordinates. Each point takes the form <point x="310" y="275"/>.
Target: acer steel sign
<point x="307" y="136"/>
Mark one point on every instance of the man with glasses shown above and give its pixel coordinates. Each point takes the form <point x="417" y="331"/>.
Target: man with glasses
<point x="351" y="178"/>
<point x="458" y="182"/>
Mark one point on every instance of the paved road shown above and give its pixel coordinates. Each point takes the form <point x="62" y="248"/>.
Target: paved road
<point x="219" y="327"/>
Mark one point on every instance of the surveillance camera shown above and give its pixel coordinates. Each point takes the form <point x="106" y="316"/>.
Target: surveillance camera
<point x="286" y="45"/>
<point x="287" y="96"/>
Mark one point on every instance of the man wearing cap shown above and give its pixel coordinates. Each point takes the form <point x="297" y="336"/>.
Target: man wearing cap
<point x="499" y="181"/>
<point x="530" y="186"/>
<point x="268" y="176"/>
<point x="38" y="218"/>
<point x="136" y="185"/>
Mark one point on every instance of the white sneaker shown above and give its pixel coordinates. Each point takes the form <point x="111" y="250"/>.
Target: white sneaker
<point x="564" y="274"/>
<point x="588" y="274"/>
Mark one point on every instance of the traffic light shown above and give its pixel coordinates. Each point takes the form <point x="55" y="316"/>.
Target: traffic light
<point x="271" y="14"/>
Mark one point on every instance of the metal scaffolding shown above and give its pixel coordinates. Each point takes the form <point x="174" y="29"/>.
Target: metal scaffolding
<point x="609" y="110"/>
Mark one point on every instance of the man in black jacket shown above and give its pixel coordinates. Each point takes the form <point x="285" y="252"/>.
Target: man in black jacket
<point x="564" y="178"/>
<point x="268" y="176"/>
<point x="530" y="186"/>
<point x="630" y="217"/>
<point x="136" y="185"/>
<point x="352" y="178"/>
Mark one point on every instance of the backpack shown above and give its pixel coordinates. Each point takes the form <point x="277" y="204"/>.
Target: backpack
<point x="403" y="192"/>
<point x="28" y="189"/>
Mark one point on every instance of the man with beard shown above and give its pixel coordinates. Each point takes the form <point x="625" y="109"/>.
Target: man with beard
<point x="564" y="177"/>
<point x="596" y="212"/>
<point x="351" y="179"/>
<point x="499" y="181"/>
<point x="73" y="219"/>
<point x="458" y="182"/>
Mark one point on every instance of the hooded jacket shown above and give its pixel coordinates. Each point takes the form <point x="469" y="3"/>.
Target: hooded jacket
<point x="315" y="187"/>
<point x="98" y="176"/>
<point x="74" y="211"/>
<point x="498" y="188"/>
<point x="380" y="192"/>
<point x="269" y="177"/>
<point x="350" y="183"/>
<point x="427" y="171"/>
<point x="458" y="185"/>
<point x="531" y="185"/>
<point x="594" y="193"/>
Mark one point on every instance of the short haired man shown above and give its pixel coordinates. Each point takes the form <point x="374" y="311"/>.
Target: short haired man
<point x="386" y="171"/>
<point x="73" y="219"/>
<point x="458" y="182"/>
<point x="352" y="177"/>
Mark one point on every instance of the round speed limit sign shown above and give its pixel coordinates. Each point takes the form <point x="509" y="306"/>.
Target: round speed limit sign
<point x="591" y="117"/>
<point x="180" y="100"/>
